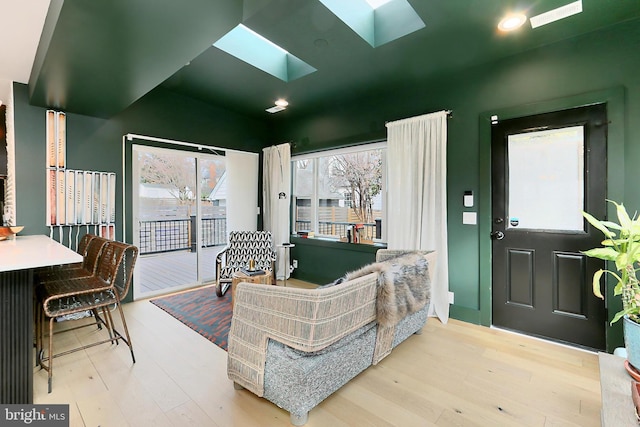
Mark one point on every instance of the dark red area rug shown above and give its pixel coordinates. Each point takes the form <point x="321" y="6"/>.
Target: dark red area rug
<point x="202" y="311"/>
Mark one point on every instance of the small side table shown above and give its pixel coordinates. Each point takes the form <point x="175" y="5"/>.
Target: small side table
<point x="239" y="276"/>
<point x="289" y="268"/>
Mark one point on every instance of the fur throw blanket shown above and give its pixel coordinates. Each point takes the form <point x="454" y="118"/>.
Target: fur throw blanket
<point x="404" y="286"/>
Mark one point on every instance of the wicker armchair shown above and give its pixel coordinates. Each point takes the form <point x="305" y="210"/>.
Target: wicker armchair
<point x="107" y="287"/>
<point x="244" y="246"/>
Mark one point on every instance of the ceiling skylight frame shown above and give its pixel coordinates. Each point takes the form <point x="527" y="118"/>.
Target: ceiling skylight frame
<point x="377" y="3"/>
<point x="262" y="38"/>
<point x="377" y="21"/>
<point x="260" y="52"/>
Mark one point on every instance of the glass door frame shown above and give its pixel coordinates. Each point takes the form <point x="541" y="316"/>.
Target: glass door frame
<point x="135" y="191"/>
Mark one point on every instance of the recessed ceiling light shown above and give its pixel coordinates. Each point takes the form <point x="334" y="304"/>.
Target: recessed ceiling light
<point x="275" y="109"/>
<point x="281" y="104"/>
<point x="320" y="43"/>
<point x="556" y="14"/>
<point x="512" y="22"/>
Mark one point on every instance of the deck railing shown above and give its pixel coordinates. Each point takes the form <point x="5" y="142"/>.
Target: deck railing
<point x="169" y="235"/>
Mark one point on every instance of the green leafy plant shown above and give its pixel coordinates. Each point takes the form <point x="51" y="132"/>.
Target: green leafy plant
<point x="621" y="246"/>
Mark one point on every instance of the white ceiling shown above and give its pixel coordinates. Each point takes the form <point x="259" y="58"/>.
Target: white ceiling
<point x="21" y="24"/>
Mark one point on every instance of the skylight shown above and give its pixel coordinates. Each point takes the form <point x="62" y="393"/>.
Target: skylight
<point x="377" y="3"/>
<point x="254" y="49"/>
<point x="377" y="21"/>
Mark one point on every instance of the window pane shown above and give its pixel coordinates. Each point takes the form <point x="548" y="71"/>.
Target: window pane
<point x="166" y="186"/>
<point x="213" y="194"/>
<point x="303" y="178"/>
<point x="337" y="191"/>
<point x="350" y="194"/>
<point x="546" y="180"/>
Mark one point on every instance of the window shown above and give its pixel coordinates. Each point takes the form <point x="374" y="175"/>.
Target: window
<point x="341" y="190"/>
<point x="348" y="201"/>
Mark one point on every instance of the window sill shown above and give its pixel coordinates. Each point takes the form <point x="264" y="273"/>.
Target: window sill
<point x="334" y="243"/>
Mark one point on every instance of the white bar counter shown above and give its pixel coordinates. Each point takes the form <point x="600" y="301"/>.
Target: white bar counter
<point x="19" y="257"/>
<point x="34" y="251"/>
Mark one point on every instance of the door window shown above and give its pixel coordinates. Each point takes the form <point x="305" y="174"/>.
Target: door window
<point x="546" y="180"/>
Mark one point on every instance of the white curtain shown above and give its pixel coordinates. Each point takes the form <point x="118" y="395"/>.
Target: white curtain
<point x="417" y="195"/>
<point x="242" y="190"/>
<point x="276" y="199"/>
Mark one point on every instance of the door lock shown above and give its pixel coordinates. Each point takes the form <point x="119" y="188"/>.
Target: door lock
<point x="498" y="220"/>
<point x="497" y="235"/>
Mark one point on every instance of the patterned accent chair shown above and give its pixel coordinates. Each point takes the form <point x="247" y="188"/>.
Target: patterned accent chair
<point x="243" y="246"/>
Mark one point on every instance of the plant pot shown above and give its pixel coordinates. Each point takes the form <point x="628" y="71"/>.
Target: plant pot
<point x="632" y="341"/>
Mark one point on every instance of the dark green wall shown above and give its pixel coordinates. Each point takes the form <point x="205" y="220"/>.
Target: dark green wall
<point x="604" y="61"/>
<point x="96" y="144"/>
<point x="321" y="261"/>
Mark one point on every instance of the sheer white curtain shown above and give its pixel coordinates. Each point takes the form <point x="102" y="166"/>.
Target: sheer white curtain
<point x="276" y="198"/>
<point x="417" y="195"/>
<point x="242" y="190"/>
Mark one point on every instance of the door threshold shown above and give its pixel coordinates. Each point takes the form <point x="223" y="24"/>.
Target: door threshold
<point x="172" y="291"/>
<point x="549" y="340"/>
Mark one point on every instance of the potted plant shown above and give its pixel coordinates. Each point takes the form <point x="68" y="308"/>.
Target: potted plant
<point x="622" y="247"/>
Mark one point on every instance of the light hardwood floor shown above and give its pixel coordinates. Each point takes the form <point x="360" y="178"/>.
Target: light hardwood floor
<point x="456" y="374"/>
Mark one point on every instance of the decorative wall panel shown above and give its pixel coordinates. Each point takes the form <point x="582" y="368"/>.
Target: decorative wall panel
<point x="75" y="198"/>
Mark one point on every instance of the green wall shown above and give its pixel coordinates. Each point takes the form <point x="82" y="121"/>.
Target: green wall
<point x="321" y="261"/>
<point x="557" y="75"/>
<point x="96" y="144"/>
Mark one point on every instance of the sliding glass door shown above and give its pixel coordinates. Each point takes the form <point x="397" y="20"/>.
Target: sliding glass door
<point x="179" y="218"/>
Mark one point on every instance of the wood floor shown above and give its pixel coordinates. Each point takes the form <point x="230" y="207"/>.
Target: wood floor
<point x="456" y="374"/>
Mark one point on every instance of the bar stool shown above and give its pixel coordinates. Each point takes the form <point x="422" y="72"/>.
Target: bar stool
<point x="108" y="286"/>
<point x="90" y="251"/>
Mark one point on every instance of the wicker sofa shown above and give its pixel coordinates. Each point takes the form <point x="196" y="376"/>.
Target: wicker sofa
<point x="295" y="347"/>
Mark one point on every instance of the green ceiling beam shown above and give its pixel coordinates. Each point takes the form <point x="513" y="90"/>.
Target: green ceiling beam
<point x="98" y="57"/>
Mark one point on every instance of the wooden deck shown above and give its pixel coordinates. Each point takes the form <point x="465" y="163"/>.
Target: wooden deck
<point x="162" y="273"/>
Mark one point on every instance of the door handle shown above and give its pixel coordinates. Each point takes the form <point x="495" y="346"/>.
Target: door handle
<point x="497" y="235"/>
